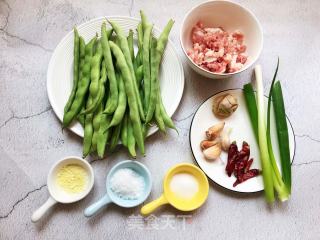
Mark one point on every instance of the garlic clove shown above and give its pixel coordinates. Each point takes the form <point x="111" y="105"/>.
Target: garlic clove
<point x="214" y="131"/>
<point x="225" y="139"/>
<point x="213" y="152"/>
<point x="206" y="144"/>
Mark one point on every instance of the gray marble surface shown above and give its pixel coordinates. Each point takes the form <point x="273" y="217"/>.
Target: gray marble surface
<point x="31" y="139"/>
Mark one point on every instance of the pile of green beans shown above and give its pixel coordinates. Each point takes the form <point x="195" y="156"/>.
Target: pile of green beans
<point x="116" y="92"/>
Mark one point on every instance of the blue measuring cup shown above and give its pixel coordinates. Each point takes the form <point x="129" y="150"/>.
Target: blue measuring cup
<point x="111" y="197"/>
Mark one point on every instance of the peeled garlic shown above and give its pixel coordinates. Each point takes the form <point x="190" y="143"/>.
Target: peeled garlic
<point x="225" y="139"/>
<point x="223" y="106"/>
<point x="213" y="152"/>
<point x="214" y="131"/>
<point x="207" y="143"/>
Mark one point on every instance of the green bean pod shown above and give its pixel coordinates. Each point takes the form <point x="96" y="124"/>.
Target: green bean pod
<point x="161" y="45"/>
<point x="112" y="101"/>
<point x="163" y="38"/>
<point x="126" y="52"/>
<point x="102" y="82"/>
<point x="154" y="85"/>
<point x="115" y="137"/>
<point x="144" y="20"/>
<point x="140" y="35"/>
<point x="145" y="130"/>
<point x="96" y="126"/>
<point x="76" y="63"/>
<point x="140" y="45"/>
<point x="95" y="79"/>
<point x="109" y="32"/>
<point x="166" y="119"/>
<point x="88" y="132"/>
<point x="81" y="119"/>
<point x="132" y="98"/>
<point x="159" y="119"/>
<point x="122" y="104"/>
<point x="82" y="55"/>
<point x="130" y="44"/>
<point x="124" y="131"/>
<point x="82" y="87"/>
<point x="103" y="134"/>
<point x="101" y="91"/>
<point x="131" y="140"/>
<point x="146" y="65"/>
<point x="139" y="74"/>
<point x="95" y="76"/>
<point x="141" y="93"/>
<point x="131" y="48"/>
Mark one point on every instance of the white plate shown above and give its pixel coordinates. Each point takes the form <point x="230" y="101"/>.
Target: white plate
<point x="241" y="131"/>
<point x="60" y="77"/>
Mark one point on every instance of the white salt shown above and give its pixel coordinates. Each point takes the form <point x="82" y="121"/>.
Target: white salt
<point x="184" y="185"/>
<point x="127" y="184"/>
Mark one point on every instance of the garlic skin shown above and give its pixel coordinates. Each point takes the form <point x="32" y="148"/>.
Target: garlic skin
<point x="214" y="131"/>
<point x="223" y="106"/>
<point x="213" y="152"/>
<point x="225" y="139"/>
<point x="207" y="143"/>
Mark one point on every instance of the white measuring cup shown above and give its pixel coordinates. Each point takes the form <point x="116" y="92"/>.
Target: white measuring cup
<point x="56" y="193"/>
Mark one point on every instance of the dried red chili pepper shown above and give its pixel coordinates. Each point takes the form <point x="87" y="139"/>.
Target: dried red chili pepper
<point x="239" y="168"/>
<point x="248" y="165"/>
<point x="239" y="163"/>
<point x="232" y="158"/>
<point x="244" y="154"/>
<point x="250" y="174"/>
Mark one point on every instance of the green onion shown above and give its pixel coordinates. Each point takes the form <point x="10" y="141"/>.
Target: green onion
<point x="267" y="172"/>
<point x="252" y="107"/>
<point x="282" y="131"/>
<point x="271" y="175"/>
<point x="277" y="179"/>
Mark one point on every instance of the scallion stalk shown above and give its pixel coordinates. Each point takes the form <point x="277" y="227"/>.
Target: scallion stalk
<point x="267" y="171"/>
<point x="278" y="182"/>
<point x="271" y="173"/>
<point x="250" y="99"/>
<point x="282" y="131"/>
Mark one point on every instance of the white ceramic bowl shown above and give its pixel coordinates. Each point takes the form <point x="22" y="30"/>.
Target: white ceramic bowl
<point x="230" y="16"/>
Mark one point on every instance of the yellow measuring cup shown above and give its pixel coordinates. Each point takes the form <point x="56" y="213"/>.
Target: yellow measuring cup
<point x="169" y="197"/>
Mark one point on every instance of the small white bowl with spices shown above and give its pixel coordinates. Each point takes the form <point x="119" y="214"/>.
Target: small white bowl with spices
<point x="69" y="180"/>
<point x="220" y="39"/>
